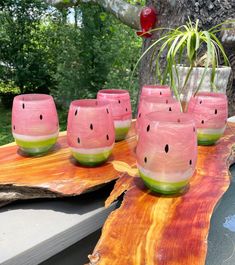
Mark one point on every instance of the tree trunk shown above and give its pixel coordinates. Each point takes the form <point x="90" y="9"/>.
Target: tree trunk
<point x="172" y="13"/>
<point x="76" y="16"/>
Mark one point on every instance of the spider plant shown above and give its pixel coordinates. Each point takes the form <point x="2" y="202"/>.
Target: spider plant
<point x="184" y="45"/>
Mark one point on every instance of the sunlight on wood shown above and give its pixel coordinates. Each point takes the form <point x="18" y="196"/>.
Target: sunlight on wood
<point x="124" y="167"/>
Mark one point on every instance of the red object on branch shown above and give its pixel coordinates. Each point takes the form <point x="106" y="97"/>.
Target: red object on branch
<point x="148" y="18"/>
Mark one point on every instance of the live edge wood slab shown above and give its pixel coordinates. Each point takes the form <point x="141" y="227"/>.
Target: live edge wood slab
<point x="148" y="228"/>
<point x="56" y="174"/>
<point x="152" y="229"/>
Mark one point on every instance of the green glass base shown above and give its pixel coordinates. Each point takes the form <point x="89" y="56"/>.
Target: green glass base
<point x="34" y="148"/>
<point x="164" y="187"/>
<point x="91" y="160"/>
<point x="207" y="139"/>
<point x="121" y="133"/>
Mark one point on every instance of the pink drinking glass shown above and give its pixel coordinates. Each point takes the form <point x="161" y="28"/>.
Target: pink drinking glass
<point x="120" y="104"/>
<point x="156" y="91"/>
<point x="210" y="111"/>
<point x="90" y="131"/>
<point x="150" y="104"/>
<point x="35" y="124"/>
<point x="167" y="151"/>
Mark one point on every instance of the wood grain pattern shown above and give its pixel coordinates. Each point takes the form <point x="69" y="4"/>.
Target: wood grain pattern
<point x="152" y="229"/>
<point x="56" y="174"/>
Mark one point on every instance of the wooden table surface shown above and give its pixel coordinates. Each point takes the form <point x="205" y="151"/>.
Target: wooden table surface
<point x="154" y="229"/>
<point x="148" y="228"/>
<point x="57" y="174"/>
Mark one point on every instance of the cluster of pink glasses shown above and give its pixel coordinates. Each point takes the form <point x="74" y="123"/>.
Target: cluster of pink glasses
<point x="93" y="124"/>
<point x="167" y="138"/>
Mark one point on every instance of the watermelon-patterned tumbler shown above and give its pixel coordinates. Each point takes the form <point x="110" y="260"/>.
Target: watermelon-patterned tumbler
<point x="35" y="124"/>
<point x="90" y="131"/>
<point x="167" y="151"/>
<point x="120" y="104"/>
<point x="210" y="111"/>
<point x="150" y="104"/>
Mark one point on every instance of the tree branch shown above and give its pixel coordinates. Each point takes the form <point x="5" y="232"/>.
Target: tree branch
<point x="125" y="12"/>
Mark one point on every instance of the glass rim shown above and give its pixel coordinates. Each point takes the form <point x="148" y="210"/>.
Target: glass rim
<point x="157" y="86"/>
<point x="174" y="118"/>
<point x="205" y="94"/>
<point x="159" y="100"/>
<point x="113" y="92"/>
<point x="209" y="98"/>
<point x="34" y="97"/>
<point x="89" y="103"/>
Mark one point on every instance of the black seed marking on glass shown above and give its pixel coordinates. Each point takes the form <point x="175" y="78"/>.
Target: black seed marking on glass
<point x="91" y="126"/>
<point x="190" y="162"/>
<point x="200" y="102"/>
<point x="166" y="148"/>
<point x="107" y="137"/>
<point x="41" y="117"/>
<point x="170" y="109"/>
<point x="167" y="101"/>
<point x="14" y="127"/>
<point x="148" y="128"/>
<point x="194" y="129"/>
<point x="202" y="121"/>
<point x="126" y="109"/>
<point x="107" y="111"/>
<point x="23" y="106"/>
<point x="119" y="101"/>
<point x="76" y="112"/>
<point x="78" y="140"/>
<point x="216" y="111"/>
<point x="145" y="160"/>
<point x="160" y="93"/>
<point x="139" y="115"/>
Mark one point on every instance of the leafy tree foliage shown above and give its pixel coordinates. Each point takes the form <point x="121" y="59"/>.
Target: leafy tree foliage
<point x="21" y="54"/>
<point x="109" y="52"/>
<point x="41" y="51"/>
<point x="126" y="48"/>
<point x="99" y="53"/>
<point x="62" y="41"/>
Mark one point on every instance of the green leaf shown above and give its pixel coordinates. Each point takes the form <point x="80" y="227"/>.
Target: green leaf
<point x="209" y="47"/>
<point x="221" y="24"/>
<point x="197" y="41"/>
<point x="173" y="45"/>
<point x="190" y="50"/>
<point x="146" y="51"/>
<point x="103" y="16"/>
<point x="226" y="60"/>
<point x="180" y="44"/>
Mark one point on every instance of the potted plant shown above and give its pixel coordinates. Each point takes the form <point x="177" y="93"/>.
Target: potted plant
<point x="192" y="60"/>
